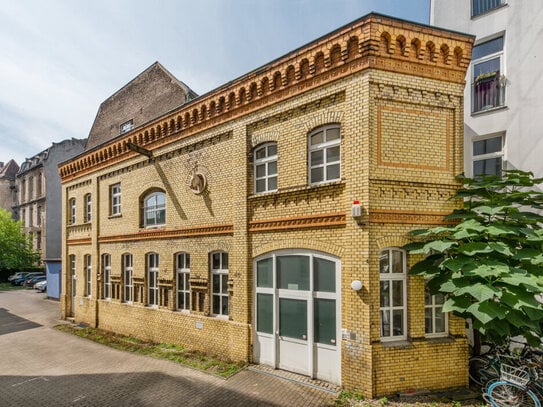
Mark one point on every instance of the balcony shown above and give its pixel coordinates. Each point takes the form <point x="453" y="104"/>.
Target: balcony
<point x="488" y="92"/>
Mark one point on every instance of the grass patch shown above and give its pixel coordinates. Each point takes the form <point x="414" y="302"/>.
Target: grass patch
<point x="9" y="287"/>
<point x="175" y="353"/>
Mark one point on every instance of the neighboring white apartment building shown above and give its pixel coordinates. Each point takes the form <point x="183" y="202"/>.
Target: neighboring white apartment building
<point x="504" y="84"/>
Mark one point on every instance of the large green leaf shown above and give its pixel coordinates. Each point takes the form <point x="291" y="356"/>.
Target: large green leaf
<point x="471" y="249"/>
<point x="458" y="263"/>
<point x="479" y="291"/>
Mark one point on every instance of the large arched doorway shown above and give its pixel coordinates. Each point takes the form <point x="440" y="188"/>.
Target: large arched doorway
<point x="298" y="313"/>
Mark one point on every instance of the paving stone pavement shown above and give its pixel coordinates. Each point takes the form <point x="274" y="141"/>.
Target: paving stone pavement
<point x="40" y="366"/>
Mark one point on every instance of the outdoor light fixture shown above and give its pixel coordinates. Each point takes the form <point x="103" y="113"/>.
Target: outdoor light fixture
<point x="356" y="209"/>
<point x="356" y="285"/>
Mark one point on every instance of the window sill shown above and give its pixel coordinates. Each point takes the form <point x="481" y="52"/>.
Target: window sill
<point x="436" y="340"/>
<point x="490" y="110"/>
<point x="116" y="215"/>
<point x="399" y="343"/>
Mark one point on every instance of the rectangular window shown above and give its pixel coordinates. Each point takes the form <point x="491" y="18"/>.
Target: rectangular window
<point x="183" y="281"/>
<point x="38" y="216"/>
<point x="479" y="7"/>
<point x="126" y="126"/>
<point x="88" y="208"/>
<point x="71" y="215"/>
<point x="30" y="216"/>
<point x="127" y="277"/>
<point x="488" y="156"/>
<point x="488" y="86"/>
<point x="38" y="240"/>
<point x="72" y="275"/>
<point x="115" y="199"/>
<point x="23" y="215"/>
<point x="436" y="321"/>
<point x="219" y="283"/>
<point x="325" y="155"/>
<point x="88" y="275"/>
<point x="265" y="168"/>
<point x="106" y="270"/>
<point x="393" y="294"/>
<point x="152" y="279"/>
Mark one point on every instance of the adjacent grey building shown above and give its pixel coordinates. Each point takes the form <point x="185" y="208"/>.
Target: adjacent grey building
<point x="38" y="204"/>
<point x="7" y="186"/>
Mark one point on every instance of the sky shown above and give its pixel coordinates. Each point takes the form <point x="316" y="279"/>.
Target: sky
<point x="59" y="59"/>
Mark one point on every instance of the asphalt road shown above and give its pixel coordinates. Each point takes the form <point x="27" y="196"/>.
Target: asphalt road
<point x="40" y="366"/>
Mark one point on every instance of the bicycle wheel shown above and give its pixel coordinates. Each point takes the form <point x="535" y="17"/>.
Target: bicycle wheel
<point x="505" y="394"/>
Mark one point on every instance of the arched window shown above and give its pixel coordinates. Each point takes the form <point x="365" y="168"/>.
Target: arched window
<point x="393" y="293"/>
<point x="325" y="154"/>
<point x="182" y="265"/>
<point x="265" y="168"/>
<point x="154" y="209"/>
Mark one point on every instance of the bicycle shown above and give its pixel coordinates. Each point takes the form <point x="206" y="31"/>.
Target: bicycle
<point x="517" y="387"/>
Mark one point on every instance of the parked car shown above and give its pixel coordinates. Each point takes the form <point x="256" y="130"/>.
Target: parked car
<point x="41" y="286"/>
<point x="33" y="280"/>
<point x="21" y="280"/>
<point x="19" y="274"/>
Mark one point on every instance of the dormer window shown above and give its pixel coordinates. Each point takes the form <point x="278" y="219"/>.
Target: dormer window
<point x="127" y="126"/>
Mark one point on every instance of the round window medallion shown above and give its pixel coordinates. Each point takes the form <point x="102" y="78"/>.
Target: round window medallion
<point x="197" y="183"/>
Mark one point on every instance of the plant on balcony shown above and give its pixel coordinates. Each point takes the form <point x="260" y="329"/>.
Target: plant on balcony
<point x="486" y="77"/>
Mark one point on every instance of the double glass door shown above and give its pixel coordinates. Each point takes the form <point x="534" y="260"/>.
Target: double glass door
<point x="297" y="314"/>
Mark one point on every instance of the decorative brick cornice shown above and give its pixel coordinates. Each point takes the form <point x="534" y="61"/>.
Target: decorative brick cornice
<point x="209" y="230"/>
<point x="374" y="41"/>
<point x="408" y="217"/>
<point x="79" y="242"/>
<point x="297" y="222"/>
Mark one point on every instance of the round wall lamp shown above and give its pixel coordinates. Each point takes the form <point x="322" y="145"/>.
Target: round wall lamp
<point x="356" y="285"/>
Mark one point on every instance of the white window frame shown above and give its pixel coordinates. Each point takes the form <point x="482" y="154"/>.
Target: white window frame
<point x="72" y="206"/>
<point x="182" y="265"/>
<point x="324" y="147"/>
<point x="487" y="156"/>
<point x="126" y="126"/>
<point x="88" y="208"/>
<point x="152" y="279"/>
<point x="222" y="273"/>
<point x="483" y="59"/>
<point x="88" y="275"/>
<point x="106" y="270"/>
<point x="154" y="209"/>
<point x="73" y="276"/>
<point x="128" y="284"/>
<point x="434" y="307"/>
<point x="115" y="199"/>
<point x="265" y="162"/>
<point x="390" y="277"/>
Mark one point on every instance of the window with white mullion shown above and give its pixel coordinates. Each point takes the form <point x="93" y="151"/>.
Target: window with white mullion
<point x="106" y="266"/>
<point x="393" y="294"/>
<point x="487" y="155"/>
<point x="88" y="208"/>
<point x="127" y="277"/>
<point x="325" y="154"/>
<point x="219" y="284"/>
<point x="88" y="275"/>
<point x="436" y="321"/>
<point x="152" y="279"/>
<point x="115" y="199"/>
<point x="488" y="80"/>
<point x="265" y="168"/>
<point x="183" y="281"/>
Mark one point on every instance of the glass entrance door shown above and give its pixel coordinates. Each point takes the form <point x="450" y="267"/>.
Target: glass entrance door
<point x="297" y="310"/>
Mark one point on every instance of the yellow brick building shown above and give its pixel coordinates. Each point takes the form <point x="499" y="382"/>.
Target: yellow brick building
<point x="238" y="222"/>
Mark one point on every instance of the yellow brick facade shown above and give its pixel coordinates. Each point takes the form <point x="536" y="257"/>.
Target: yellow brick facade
<point x="395" y="89"/>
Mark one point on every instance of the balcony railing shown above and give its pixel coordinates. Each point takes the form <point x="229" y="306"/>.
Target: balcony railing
<point x="487" y="93"/>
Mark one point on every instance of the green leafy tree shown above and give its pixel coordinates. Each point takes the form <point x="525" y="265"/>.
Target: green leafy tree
<point x="489" y="261"/>
<point x="16" y="251"/>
